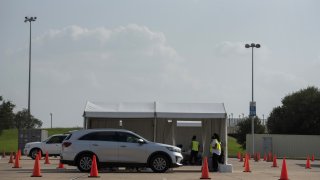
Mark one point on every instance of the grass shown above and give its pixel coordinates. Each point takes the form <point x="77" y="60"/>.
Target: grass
<point x="9" y="140"/>
<point x="59" y="130"/>
<point x="233" y="147"/>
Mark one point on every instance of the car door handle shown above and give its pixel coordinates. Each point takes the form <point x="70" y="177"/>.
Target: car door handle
<point x="123" y="146"/>
<point x="95" y="145"/>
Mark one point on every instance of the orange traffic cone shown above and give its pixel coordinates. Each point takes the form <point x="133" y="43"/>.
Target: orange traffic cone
<point x="36" y="168"/>
<point x="245" y="160"/>
<point x="47" y="159"/>
<point x="241" y="158"/>
<point x="16" y="162"/>
<point x="60" y="166"/>
<point x="312" y="158"/>
<point x="284" y="173"/>
<point x="258" y="156"/>
<point x="265" y="157"/>
<point x="269" y="157"/>
<point x="11" y="158"/>
<point x="247" y="166"/>
<point x="94" y="168"/>
<point x="3" y="154"/>
<point x="274" y="161"/>
<point x="239" y="155"/>
<point x="40" y="155"/>
<point x="205" y="169"/>
<point x="308" y="166"/>
<point x="19" y="153"/>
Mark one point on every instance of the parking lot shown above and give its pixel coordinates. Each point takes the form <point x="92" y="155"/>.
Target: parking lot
<point x="260" y="170"/>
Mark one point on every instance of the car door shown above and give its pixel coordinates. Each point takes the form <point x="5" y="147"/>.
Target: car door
<point x="53" y="145"/>
<point x="103" y="144"/>
<point x="130" y="150"/>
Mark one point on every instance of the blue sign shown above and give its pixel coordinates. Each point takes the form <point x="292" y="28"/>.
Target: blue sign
<point x="252" y="110"/>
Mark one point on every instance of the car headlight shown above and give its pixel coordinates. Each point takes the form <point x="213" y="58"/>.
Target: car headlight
<point x="174" y="149"/>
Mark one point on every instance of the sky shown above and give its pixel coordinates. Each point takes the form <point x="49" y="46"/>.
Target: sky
<point x="165" y="51"/>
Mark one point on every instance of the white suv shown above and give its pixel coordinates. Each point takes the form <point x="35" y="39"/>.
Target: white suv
<point x="117" y="148"/>
<point x="52" y="145"/>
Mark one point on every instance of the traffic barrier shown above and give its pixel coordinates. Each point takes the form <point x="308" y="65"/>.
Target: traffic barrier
<point x="284" y="173"/>
<point x="36" y="168"/>
<point x="205" y="169"/>
<point x="94" y="168"/>
<point x="308" y="166"/>
<point x="47" y="159"/>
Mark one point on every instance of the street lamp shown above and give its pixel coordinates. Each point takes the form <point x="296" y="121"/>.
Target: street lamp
<point x="252" y="103"/>
<point x="29" y="19"/>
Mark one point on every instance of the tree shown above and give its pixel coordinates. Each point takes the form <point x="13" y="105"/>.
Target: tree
<point x="244" y="128"/>
<point x="299" y="114"/>
<point x="6" y="114"/>
<point x="21" y="120"/>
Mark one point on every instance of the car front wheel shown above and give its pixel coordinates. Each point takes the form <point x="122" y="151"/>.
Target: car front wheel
<point x="159" y="164"/>
<point x="34" y="153"/>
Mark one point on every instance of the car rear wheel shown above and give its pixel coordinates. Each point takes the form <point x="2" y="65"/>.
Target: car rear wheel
<point x="84" y="162"/>
<point x="159" y="163"/>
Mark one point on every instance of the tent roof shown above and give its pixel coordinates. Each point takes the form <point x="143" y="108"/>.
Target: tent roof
<point x="191" y="110"/>
<point x="119" y="110"/>
<point x="149" y="109"/>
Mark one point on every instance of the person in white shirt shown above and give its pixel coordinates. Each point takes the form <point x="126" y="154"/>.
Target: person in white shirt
<point x="215" y="149"/>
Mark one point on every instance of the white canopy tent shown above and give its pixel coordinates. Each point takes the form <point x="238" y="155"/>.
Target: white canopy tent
<point x="151" y="119"/>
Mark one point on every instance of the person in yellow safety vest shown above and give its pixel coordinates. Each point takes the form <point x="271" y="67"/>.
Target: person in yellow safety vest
<point x="215" y="149"/>
<point x="194" y="150"/>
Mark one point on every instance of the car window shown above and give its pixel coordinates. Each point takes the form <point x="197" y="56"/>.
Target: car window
<point x="54" y="140"/>
<point x="127" y="137"/>
<point x="99" y="136"/>
<point x="68" y="137"/>
<point x="61" y="138"/>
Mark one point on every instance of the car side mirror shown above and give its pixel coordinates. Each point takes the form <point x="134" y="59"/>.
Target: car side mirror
<point x="141" y="141"/>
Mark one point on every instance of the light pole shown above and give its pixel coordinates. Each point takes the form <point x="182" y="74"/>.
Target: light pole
<point x="252" y="103"/>
<point x="51" y="119"/>
<point x="29" y="19"/>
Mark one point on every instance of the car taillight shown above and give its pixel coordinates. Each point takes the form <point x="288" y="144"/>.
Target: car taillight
<point x="66" y="144"/>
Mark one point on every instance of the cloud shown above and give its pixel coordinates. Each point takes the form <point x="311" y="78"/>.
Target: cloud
<point x="227" y="48"/>
<point x="76" y="51"/>
<point x="74" y="64"/>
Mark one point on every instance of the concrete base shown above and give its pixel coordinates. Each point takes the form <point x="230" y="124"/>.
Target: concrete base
<point x="222" y="167"/>
<point x="225" y="168"/>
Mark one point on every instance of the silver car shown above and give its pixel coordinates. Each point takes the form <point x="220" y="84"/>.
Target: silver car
<point x="117" y="148"/>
